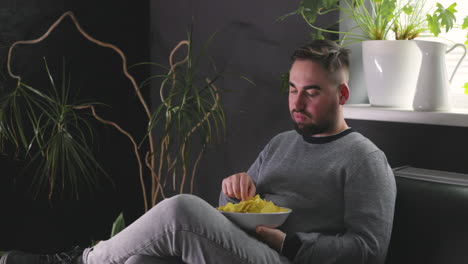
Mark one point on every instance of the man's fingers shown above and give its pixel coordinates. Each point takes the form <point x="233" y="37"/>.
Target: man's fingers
<point x="259" y="230"/>
<point x="225" y="188"/>
<point x="243" y="187"/>
<point x="272" y="237"/>
<point x="263" y="230"/>
<point x="239" y="186"/>
<point x="247" y="187"/>
<point x="252" y="190"/>
<point x="230" y="192"/>
<point x="235" y="187"/>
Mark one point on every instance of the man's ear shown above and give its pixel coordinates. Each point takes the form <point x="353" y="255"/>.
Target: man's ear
<point x="343" y="93"/>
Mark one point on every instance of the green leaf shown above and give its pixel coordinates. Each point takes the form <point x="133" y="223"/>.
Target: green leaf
<point x="466" y="88"/>
<point x="317" y="35"/>
<point x="357" y="3"/>
<point x="446" y="16"/>
<point x="118" y="225"/>
<point x="451" y="8"/>
<point x="311" y="8"/>
<point x="465" y="23"/>
<point x="284" y="85"/>
<point x="433" y="25"/>
<point x="311" y="5"/>
<point x="328" y="4"/>
<point x="386" y="9"/>
<point x="293" y="13"/>
<point x="408" y="9"/>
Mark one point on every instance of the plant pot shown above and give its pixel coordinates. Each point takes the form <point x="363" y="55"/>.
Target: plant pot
<point x="391" y="70"/>
<point x="433" y="82"/>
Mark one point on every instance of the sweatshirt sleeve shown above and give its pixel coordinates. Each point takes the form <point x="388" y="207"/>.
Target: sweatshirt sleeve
<point x="369" y="198"/>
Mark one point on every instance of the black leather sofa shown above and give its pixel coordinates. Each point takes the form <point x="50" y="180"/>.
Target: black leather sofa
<point x="431" y="218"/>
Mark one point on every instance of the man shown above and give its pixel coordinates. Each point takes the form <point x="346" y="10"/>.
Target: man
<point x="338" y="184"/>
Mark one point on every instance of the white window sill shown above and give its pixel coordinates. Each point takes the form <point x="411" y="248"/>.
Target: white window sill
<point x="455" y="117"/>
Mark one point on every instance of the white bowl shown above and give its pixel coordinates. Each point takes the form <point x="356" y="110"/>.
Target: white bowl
<point x="249" y="221"/>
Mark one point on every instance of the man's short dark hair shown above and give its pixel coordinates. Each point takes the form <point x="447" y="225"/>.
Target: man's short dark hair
<point x="329" y="55"/>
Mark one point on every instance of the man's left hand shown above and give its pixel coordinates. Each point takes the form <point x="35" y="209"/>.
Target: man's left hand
<point x="272" y="237"/>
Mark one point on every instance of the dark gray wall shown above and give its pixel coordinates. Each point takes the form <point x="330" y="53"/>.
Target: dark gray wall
<point x="37" y="224"/>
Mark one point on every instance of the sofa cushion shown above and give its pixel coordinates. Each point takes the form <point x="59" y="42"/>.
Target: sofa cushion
<point x="431" y="221"/>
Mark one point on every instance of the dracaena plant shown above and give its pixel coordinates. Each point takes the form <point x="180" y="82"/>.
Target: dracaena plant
<point x="189" y="117"/>
<point x="46" y="130"/>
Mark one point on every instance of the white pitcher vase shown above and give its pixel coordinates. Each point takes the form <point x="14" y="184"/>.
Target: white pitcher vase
<point x="433" y="83"/>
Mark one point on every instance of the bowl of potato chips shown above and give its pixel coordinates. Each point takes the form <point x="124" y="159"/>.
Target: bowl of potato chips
<point x="255" y="211"/>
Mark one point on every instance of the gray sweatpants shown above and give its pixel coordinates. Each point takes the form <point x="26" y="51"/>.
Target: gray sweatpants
<point x="182" y="228"/>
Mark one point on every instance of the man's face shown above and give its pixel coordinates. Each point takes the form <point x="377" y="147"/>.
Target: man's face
<point x="314" y="100"/>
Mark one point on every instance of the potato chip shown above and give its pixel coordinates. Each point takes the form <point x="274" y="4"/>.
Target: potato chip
<point x="252" y="205"/>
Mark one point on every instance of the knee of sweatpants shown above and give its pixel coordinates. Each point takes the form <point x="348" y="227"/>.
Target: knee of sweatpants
<point x="143" y="259"/>
<point x="183" y="200"/>
<point x="182" y="206"/>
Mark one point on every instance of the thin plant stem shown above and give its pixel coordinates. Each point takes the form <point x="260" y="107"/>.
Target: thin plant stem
<point x="327" y="31"/>
<point x="195" y="166"/>
<point x="130" y="137"/>
<point x="148" y="165"/>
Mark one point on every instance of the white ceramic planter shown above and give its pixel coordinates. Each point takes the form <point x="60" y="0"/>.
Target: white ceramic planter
<point x="391" y="69"/>
<point x="433" y="82"/>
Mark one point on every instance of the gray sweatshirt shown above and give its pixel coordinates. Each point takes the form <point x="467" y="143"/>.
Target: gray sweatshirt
<point x="342" y="193"/>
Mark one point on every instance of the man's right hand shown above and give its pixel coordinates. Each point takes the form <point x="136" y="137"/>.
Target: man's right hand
<point x="239" y="186"/>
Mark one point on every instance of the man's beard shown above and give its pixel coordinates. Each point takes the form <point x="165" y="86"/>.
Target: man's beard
<point x="310" y="130"/>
